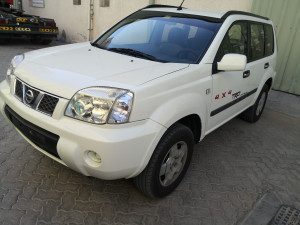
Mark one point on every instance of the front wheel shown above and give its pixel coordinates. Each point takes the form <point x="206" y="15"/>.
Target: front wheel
<point x="253" y="114"/>
<point x="168" y="163"/>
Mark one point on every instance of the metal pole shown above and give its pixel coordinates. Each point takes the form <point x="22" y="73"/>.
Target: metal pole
<point x="151" y="2"/>
<point x="91" y="17"/>
<point x="20" y="5"/>
<point x="17" y="4"/>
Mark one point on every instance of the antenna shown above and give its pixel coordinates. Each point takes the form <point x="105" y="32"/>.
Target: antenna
<point x="180" y="7"/>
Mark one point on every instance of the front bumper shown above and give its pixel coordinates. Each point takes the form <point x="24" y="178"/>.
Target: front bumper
<point x="125" y="149"/>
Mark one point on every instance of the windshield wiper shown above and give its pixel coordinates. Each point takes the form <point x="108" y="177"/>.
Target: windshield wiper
<point x="95" y="44"/>
<point x="136" y="53"/>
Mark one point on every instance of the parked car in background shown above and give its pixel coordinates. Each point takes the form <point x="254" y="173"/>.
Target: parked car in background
<point x="6" y="3"/>
<point x="16" y="24"/>
<point x="133" y="103"/>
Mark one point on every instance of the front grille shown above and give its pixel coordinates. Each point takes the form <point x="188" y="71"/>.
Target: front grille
<point x="44" y="139"/>
<point x="32" y="99"/>
<point x="35" y="98"/>
<point x="48" y="104"/>
<point x="19" y="89"/>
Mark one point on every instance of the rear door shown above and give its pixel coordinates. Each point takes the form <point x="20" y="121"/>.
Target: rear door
<point x="261" y="52"/>
<point x="258" y="63"/>
<point x="231" y="89"/>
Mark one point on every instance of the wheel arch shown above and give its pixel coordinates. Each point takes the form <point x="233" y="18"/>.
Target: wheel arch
<point x="193" y="122"/>
<point x="269" y="83"/>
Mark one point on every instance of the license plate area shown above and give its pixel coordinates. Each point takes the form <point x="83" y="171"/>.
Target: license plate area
<point x="44" y="139"/>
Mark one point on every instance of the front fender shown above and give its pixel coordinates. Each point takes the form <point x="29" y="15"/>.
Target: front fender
<point x="172" y="97"/>
<point x="177" y="108"/>
<point x="172" y="111"/>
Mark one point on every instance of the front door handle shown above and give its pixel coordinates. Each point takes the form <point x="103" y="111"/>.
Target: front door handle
<point x="246" y="74"/>
<point x="267" y="65"/>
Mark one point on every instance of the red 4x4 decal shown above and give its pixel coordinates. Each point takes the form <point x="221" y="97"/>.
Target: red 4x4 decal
<point x="223" y="95"/>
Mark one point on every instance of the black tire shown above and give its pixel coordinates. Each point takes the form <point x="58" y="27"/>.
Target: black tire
<point x="149" y="181"/>
<point x="252" y="114"/>
<point x="35" y="41"/>
<point x="4" y="41"/>
<point x="46" y="41"/>
<point x="40" y="41"/>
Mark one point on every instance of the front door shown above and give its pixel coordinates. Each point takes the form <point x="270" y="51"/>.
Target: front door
<point x="231" y="89"/>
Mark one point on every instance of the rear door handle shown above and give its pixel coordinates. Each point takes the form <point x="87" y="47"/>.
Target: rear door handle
<point x="246" y="74"/>
<point x="267" y="65"/>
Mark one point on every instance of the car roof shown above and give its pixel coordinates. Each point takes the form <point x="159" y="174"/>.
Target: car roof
<point x="217" y="15"/>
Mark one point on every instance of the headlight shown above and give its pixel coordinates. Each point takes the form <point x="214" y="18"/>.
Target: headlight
<point x="101" y="105"/>
<point x="13" y="65"/>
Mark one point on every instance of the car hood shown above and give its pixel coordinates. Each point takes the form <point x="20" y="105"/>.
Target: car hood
<point x="66" y="69"/>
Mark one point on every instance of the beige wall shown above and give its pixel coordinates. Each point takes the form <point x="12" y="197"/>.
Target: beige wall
<point x="71" y="19"/>
<point x="74" y="20"/>
<point x="212" y="5"/>
<point x="119" y="9"/>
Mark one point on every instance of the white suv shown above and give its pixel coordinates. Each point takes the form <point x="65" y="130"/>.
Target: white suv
<point x="133" y="103"/>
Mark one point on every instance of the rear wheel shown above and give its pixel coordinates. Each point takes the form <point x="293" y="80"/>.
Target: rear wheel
<point x="168" y="163"/>
<point x="253" y="114"/>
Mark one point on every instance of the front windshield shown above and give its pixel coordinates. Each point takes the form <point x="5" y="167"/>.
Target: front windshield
<point x="161" y="36"/>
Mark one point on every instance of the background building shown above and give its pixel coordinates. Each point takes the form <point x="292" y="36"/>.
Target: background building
<point x="286" y="16"/>
<point x="83" y="20"/>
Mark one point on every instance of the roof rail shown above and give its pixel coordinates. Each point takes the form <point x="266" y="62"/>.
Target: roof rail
<point x="235" y="12"/>
<point x="160" y="6"/>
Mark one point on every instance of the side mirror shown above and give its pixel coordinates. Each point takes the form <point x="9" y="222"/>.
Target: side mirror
<point x="233" y="62"/>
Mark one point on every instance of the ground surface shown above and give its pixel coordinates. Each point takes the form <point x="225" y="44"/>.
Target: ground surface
<point x="231" y="169"/>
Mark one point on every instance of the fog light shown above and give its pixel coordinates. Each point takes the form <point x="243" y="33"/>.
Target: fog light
<point x="93" y="156"/>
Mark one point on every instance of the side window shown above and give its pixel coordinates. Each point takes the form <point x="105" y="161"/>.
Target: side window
<point x="269" y="40"/>
<point x="257" y="47"/>
<point x="235" y="41"/>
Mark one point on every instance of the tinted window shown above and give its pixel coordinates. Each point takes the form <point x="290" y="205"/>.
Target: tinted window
<point x="269" y="40"/>
<point x="235" y="41"/>
<point x="257" y="42"/>
<point x="166" y="37"/>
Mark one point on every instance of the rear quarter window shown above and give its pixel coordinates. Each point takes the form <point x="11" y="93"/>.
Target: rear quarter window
<point x="269" y="40"/>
